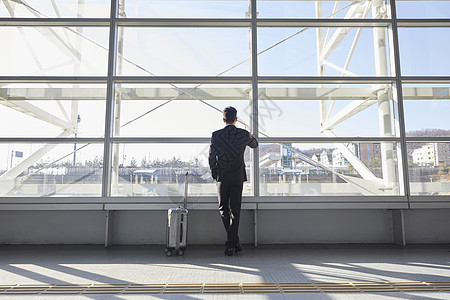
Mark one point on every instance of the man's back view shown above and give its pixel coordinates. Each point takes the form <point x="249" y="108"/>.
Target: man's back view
<point x="226" y="160"/>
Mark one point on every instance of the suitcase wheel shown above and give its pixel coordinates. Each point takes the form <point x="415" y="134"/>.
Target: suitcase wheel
<point x="180" y="252"/>
<point x="168" y="252"/>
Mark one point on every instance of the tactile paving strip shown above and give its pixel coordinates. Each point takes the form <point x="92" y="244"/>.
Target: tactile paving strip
<point x="222" y="288"/>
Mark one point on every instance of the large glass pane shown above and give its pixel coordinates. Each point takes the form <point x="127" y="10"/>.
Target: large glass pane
<point x="424" y="51"/>
<point x="326" y="110"/>
<point x="151" y="110"/>
<point x="319" y="9"/>
<point x="422" y="9"/>
<point x="428" y="165"/>
<point x="344" y="169"/>
<point x="339" y="52"/>
<point x="159" y="170"/>
<point x="426" y="110"/>
<point x="185" y="9"/>
<point x="45" y="51"/>
<point x="51" y="170"/>
<point x="183" y="51"/>
<point x="52" y="110"/>
<point x="55" y="9"/>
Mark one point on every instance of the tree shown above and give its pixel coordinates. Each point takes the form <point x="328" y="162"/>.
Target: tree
<point x="97" y="162"/>
<point x="376" y="162"/>
<point x="133" y="163"/>
<point x="443" y="169"/>
<point x="144" y="162"/>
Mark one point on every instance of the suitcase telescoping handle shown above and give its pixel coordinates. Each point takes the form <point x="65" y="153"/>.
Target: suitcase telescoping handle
<point x="186" y="189"/>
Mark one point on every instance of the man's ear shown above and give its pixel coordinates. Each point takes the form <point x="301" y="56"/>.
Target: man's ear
<point x="224" y="120"/>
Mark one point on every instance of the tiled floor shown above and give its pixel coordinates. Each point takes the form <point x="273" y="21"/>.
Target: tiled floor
<point x="69" y="265"/>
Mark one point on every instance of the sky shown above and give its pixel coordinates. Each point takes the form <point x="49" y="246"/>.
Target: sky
<point x="208" y="52"/>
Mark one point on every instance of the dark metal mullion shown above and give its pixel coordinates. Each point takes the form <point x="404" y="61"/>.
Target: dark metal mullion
<point x="423" y="23"/>
<point x="294" y="23"/>
<point x="183" y="79"/>
<point x="109" y="117"/>
<point x="326" y="79"/>
<point x="53" y="79"/>
<point x="437" y="139"/>
<point x="254" y="101"/>
<point x="425" y="79"/>
<point x="57" y="22"/>
<point x="182" y="22"/>
<point x="328" y="139"/>
<point x="401" y="112"/>
<point x="51" y="140"/>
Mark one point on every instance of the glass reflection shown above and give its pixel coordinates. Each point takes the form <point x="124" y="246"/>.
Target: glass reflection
<point x="159" y="170"/>
<point x="342" y="169"/>
<point x="428" y="165"/>
<point x="50" y="170"/>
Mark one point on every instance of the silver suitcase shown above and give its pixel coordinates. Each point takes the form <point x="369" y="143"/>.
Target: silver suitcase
<point x="177" y="226"/>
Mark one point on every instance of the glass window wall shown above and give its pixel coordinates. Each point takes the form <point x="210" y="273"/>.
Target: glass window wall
<point x="415" y="9"/>
<point x="55" y="9"/>
<point x="428" y="166"/>
<point x="51" y="170"/>
<point x="183" y="52"/>
<point x="122" y="106"/>
<point x="340" y="169"/>
<point x="52" y="110"/>
<point x="326" y="110"/>
<point x="185" y="9"/>
<point x="426" y="109"/>
<point x="53" y="51"/>
<point x="341" y="51"/>
<point x="158" y="170"/>
<point x="423" y="51"/>
<point x="171" y="110"/>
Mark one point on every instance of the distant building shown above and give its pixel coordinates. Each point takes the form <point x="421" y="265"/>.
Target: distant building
<point x="286" y="155"/>
<point x="315" y="158"/>
<point x="368" y="152"/>
<point x="443" y="153"/>
<point x="432" y="154"/>
<point x="324" y="158"/>
<point x="338" y="159"/>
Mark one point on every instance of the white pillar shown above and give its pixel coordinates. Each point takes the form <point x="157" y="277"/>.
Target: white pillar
<point x="384" y="109"/>
<point x="320" y="66"/>
<point x="117" y="104"/>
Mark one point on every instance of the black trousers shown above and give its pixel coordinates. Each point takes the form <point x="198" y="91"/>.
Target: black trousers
<point x="230" y="198"/>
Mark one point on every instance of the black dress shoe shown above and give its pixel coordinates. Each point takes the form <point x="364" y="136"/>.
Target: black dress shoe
<point x="238" y="248"/>
<point x="229" y="251"/>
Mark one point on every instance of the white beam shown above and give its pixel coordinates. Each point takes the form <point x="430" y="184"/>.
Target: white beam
<point x="38" y="113"/>
<point x="340" y="69"/>
<point x="350" y="110"/>
<point x="356" y="11"/>
<point x="8" y="179"/>
<point x="359" y="166"/>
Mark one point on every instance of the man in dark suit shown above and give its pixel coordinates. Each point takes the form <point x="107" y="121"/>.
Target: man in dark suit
<point x="226" y="160"/>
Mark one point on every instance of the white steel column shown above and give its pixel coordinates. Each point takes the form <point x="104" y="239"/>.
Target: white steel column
<point x="77" y="71"/>
<point x="320" y="66"/>
<point x="118" y="102"/>
<point x="384" y="110"/>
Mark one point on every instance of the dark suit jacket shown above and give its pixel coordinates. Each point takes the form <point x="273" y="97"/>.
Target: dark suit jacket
<point x="226" y="153"/>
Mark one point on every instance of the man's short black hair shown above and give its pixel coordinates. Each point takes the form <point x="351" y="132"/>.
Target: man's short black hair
<point x="229" y="114"/>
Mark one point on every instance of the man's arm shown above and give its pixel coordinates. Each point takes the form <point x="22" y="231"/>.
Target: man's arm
<point x="253" y="142"/>
<point x="212" y="160"/>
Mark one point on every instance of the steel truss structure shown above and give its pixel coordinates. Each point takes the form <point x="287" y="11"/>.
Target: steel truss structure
<point x="384" y="89"/>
